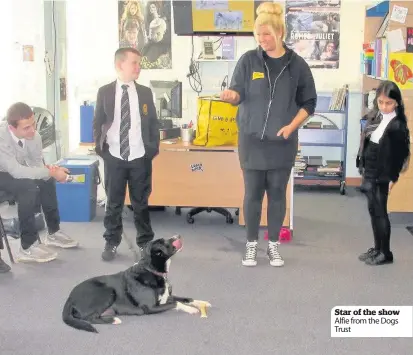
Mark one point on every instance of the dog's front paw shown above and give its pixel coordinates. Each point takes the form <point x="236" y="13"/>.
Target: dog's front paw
<point x="186" y="308"/>
<point x="116" y="321"/>
<point x="198" y="304"/>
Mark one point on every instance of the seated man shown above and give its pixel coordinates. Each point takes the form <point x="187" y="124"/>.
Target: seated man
<point x="23" y="174"/>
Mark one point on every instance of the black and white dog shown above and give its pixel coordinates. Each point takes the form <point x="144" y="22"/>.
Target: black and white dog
<point x="141" y="289"/>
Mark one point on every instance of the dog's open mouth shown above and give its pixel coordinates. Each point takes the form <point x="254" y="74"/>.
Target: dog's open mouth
<point x="177" y="243"/>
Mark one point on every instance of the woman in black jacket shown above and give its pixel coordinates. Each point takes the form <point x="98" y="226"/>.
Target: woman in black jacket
<point x="384" y="153"/>
<point x="275" y="93"/>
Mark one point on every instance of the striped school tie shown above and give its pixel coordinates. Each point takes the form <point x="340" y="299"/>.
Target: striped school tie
<point x="125" y="123"/>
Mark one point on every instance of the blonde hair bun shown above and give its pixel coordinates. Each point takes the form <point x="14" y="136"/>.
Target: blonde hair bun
<point x="270" y="8"/>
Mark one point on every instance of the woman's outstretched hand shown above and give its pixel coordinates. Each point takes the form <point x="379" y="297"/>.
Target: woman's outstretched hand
<point x="230" y="96"/>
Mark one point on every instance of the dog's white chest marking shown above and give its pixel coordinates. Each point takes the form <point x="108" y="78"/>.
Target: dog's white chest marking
<point x="164" y="297"/>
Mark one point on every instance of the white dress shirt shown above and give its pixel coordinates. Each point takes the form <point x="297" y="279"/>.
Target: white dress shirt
<point x="378" y="133"/>
<point x="137" y="149"/>
<point x="17" y="139"/>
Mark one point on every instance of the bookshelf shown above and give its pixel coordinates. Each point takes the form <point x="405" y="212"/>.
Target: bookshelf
<point x="401" y="197"/>
<point x="326" y="130"/>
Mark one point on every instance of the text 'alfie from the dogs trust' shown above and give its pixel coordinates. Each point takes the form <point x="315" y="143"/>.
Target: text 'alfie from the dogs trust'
<point x="372" y="321"/>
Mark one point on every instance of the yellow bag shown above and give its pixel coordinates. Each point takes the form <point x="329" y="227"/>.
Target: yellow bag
<point x="216" y="123"/>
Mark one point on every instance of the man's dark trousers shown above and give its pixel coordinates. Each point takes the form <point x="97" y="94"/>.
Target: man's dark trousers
<point x="32" y="196"/>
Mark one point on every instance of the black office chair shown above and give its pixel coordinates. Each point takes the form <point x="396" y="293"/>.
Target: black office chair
<point x="194" y="211"/>
<point x="45" y="125"/>
<point x="3" y="236"/>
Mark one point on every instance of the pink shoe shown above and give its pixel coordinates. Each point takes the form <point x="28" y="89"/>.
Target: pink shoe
<point x="284" y="237"/>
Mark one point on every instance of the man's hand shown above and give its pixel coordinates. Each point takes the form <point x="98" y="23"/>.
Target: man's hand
<point x="285" y="132"/>
<point x="55" y="167"/>
<point x="58" y="173"/>
<point x="230" y="96"/>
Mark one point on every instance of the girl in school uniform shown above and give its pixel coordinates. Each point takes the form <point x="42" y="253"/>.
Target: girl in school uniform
<point x="384" y="153"/>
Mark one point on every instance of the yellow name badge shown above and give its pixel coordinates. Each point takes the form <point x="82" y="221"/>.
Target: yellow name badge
<point x="257" y="75"/>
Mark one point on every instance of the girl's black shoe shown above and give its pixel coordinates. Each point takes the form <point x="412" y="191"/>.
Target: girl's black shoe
<point x="380" y="259"/>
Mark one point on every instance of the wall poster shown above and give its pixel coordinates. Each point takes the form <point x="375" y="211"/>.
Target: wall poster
<point x="313" y="31"/>
<point x="146" y="26"/>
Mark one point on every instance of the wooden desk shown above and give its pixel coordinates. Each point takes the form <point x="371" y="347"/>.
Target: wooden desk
<point x="186" y="175"/>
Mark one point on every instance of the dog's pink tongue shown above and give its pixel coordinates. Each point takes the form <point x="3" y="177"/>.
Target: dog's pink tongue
<point x="177" y="244"/>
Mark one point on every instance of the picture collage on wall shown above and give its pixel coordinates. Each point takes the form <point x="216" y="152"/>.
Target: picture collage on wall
<point x="313" y="31"/>
<point x="146" y="26"/>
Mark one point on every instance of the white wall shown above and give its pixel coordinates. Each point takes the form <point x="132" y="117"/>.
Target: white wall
<point x="21" y="23"/>
<point x="5" y="58"/>
<point x="92" y="39"/>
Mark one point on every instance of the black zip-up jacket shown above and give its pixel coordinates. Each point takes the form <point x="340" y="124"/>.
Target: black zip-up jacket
<point x="393" y="151"/>
<point x="265" y="108"/>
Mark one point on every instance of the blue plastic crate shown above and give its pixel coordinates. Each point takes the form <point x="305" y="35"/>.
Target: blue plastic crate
<point x="77" y="200"/>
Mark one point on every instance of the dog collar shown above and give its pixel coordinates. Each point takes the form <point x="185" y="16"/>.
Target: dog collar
<point x="157" y="273"/>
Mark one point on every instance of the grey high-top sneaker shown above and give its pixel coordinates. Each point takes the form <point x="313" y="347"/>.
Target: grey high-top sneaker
<point x="61" y="240"/>
<point x="274" y="255"/>
<point x="250" y="256"/>
<point x="36" y="253"/>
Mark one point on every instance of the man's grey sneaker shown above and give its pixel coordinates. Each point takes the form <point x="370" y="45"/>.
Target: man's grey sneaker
<point x="36" y="253"/>
<point x="274" y="255"/>
<point x="109" y="252"/>
<point x="4" y="267"/>
<point x="61" y="240"/>
<point x="250" y="256"/>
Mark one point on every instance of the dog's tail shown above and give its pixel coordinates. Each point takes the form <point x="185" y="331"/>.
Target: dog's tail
<point x="71" y="320"/>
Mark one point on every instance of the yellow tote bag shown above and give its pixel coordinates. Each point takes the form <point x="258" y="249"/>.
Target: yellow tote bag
<point x="216" y="124"/>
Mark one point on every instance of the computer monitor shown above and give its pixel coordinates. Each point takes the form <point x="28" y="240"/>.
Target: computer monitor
<point x="168" y="98"/>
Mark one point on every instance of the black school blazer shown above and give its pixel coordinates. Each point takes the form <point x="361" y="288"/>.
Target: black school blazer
<point x="394" y="151"/>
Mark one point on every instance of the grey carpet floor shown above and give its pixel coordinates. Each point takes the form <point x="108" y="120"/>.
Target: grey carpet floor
<point x="261" y="310"/>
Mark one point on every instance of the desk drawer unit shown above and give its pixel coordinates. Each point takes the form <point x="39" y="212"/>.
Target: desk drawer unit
<point x="197" y="178"/>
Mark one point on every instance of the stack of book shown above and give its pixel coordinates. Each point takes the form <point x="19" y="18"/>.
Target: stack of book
<point x="332" y="168"/>
<point x="313" y="125"/>
<point x="338" y="99"/>
<point x="300" y="164"/>
<point x="315" y="167"/>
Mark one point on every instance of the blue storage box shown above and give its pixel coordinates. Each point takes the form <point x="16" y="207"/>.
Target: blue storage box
<point x="86" y="123"/>
<point x="77" y="200"/>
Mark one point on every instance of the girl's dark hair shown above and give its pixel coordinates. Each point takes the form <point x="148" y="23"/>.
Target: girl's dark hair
<point x="391" y="90"/>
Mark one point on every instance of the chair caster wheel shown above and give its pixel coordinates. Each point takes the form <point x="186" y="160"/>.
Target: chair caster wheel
<point x="230" y="220"/>
<point x="190" y="220"/>
<point x="343" y="188"/>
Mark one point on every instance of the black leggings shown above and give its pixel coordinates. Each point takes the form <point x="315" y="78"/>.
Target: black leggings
<point x="377" y="195"/>
<point x="256" y="183"/>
